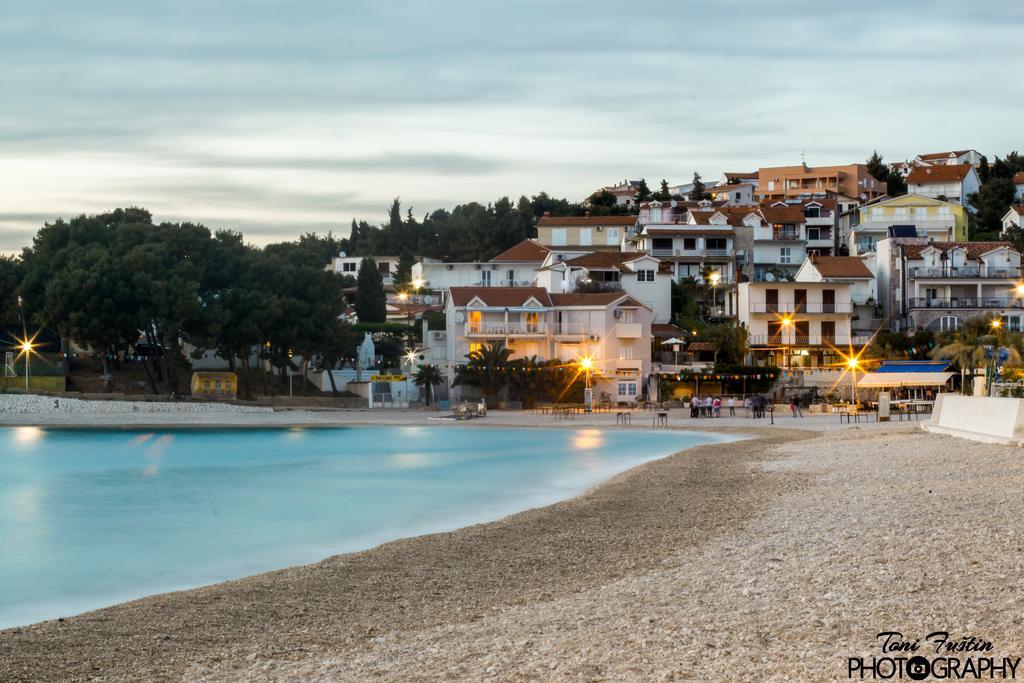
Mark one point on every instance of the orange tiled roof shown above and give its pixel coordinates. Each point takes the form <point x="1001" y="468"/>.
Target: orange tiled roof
<point x="527" y="250"/>
<point x="1018" y="178"/>
<point x="841" y="266"/>
<point x="499" y="296"/>
<point x="782" y="214"/>
<point x="939" y="174"/>
<point x="942" y="155"/>
<point x="591" y="299"/>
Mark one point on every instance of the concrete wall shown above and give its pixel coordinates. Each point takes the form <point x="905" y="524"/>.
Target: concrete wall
<point x="979" y="418"/>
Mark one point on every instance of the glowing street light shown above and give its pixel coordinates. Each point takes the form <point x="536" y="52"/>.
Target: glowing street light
<point x="26" y="347"/>
<point x="1020" y="289"/>
<point x="417" y="283"/>
<point x="403" y="296"/>
<point x="996" y="324"/>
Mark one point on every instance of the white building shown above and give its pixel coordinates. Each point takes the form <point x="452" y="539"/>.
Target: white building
<point x="515" y="267"/>
<point x="349" y="265"/>
<point x="586" y="233"/>
<point x="1011" y="219"/>
<point x="940" y="285"/>
<point x="953" y="158"/>
<point x="932" y="218"/>
<point x="952" y="183"/>
<point x="637" y="274"/>
<point x="612" y="328"/>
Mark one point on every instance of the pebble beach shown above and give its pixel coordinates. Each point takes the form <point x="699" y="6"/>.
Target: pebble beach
<point x="777" y="557"/>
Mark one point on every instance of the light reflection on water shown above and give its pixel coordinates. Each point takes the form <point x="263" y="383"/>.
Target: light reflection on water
<point x="95" y="517"/>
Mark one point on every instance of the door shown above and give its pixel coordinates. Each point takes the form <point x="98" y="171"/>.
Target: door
<point x="533" y="322"/>
<point x="828" y="332"/>
<point x="771" y="301"/>
<point x="475" y="318"/>
<point x="828" y="301"/>
<point x="802" y="328"/>
<point x="800" y="300"/>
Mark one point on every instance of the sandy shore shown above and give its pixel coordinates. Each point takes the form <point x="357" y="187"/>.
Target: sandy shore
<point x="781" y="555"/>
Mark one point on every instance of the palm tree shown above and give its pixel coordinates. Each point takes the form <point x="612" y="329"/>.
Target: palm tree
<point x="487" y="370"/>
<point x="427" y="377"/>
<point x="966" y="350"/>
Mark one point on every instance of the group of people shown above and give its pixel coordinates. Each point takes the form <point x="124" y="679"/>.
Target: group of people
<point x="709" y="406"/>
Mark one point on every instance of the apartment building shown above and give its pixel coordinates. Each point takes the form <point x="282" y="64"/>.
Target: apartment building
<point x="612" y="328"/>
<point x="797" y="324"/>
<point x="735" y="194"/>
<point x="625" y="193"/>
<point x="953" y="158"/>
<point x="932" y="218"/>
<point x="950" y="183"/>
<point x="586" y="233"/>
<point x="855" y="271"/>
<point x="640" y="275"/>
<point x="515" y="267"/>
<point x="940" y="285"/>
<point x="780" y="241"/>
<point x="853" y="181"/>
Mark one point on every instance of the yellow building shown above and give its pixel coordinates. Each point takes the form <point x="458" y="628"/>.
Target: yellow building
<point x="933" y="218"/>
<point x="214" y="385"/>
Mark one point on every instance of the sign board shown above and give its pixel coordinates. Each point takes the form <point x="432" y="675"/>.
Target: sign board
<point x="387" y="378"/>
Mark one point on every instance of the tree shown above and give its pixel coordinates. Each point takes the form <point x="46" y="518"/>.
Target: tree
<point x="697" y="192"/>
<point x="427" y="377"/>
<point x="992" y="202"/>
<point x="884" y="173"/>
<point x="403" y="271"/>
<point x="602" y="198"/>
<point x="371" y="302"/>
<point x="984" y="173"/>
<point x="663" y="194"/>
<point x="643" y="192"/>
<point x="10" y="277"/>
<point x="486" y="369"/>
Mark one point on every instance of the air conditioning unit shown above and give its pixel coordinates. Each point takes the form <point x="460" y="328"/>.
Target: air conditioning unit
<point x="451" y="267"/>
<point x="600" y="228"/>
<point x="594" y="337"/>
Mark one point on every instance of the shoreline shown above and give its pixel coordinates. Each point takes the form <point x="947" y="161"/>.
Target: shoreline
<point x="172" y="613"/>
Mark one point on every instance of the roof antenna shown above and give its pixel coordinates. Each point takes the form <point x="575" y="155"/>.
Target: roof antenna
<point x="803" y="158"/>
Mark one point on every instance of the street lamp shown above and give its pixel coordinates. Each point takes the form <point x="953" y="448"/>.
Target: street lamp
<point x="586" y="364"/>
<point x="1020" y="289"/>
<point x="418" y="283"/>
<point x="996" y="324"/>
<point x="852" y="365"/>
<point x="410" y="358"/>
<point x="786" y="322"/>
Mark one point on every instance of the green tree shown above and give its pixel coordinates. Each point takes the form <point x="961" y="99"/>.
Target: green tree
<point x="427" y="377"/>
<point x="884" y="173"/>
<point x="486" y="369"/>
<point x="984" y="172"/>
<point x="663" y="194"/>
<point x="403" y="271"/>
<point x="992" y="202"/>
<point x="10" y="278"/>
<point x="371" y="302"/>
<point x="698" y="191"/>
<point x="602" y="198"/>
<point x="643" y="192"/>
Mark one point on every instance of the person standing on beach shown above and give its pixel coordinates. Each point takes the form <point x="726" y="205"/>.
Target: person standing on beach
<point x="732" y="407"/>
<point x="717" y="405"/>
<point x="794" y="405"/>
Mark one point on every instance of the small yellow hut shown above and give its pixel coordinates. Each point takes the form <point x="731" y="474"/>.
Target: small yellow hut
<point x="214" y="384"/>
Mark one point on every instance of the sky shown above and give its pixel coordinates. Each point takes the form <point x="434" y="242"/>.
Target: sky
<point x="277" y="118"/>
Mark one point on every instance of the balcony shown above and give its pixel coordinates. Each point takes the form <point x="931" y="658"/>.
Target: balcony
<point x="838" y="339"/>
<point x="506" y="329"/>
<point x="974" y="272"/>
<point x="503" y="283"/>
<point x="967" y="302"/>
<point x="627" y="330"/>
<point x="571" y="331"/>
<point x="784" y="234"/>
<point x="823" y="309"/>
<point x="692" y="253"/>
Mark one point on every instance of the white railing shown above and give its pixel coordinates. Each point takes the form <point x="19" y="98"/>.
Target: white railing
<point x="502" y="329"/>
<point x="570" y="329"/>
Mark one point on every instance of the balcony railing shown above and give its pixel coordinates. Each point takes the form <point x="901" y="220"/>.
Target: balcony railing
<point x="982" y="272"/>
<point x="760" y="307"/>
<point x="503" y="329"/>
<point x="502" y="283"/>
<point x="967" y="302"/>
<point x="784" y="234"/>
<point x="695" y="253"/>
<point x="570" y="329"/>
<point x="806" y="339"/>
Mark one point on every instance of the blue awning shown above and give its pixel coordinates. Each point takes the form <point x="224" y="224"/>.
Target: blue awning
<point x="913" y="366"/>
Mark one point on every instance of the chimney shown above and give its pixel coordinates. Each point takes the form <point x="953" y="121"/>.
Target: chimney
<point x="586" y="213"/>
<point x="547" y="214"/>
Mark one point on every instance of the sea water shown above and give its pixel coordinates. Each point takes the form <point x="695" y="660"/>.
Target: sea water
<point x="89" y="518"/>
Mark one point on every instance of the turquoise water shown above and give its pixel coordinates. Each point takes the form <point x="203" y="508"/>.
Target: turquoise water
<point x="93" y="517"/>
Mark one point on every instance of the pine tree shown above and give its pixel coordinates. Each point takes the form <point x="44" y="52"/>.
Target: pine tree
<point x="643" y="192"/>
<point x="698" y="191"/>
<point x="371" y="302"/>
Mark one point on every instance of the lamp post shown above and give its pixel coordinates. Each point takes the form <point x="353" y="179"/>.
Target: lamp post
<point x="852" y="364"/>
<point x="787" y="322"/>
<point x="410" y="357"/>
<point x="586" y="363"/>
<point x="715" y="278"/>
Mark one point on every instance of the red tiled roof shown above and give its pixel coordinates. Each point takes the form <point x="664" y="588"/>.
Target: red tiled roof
<point x="974" y="249"/>
<point x="665" y="330"/>
<point x="499" y="296"/>
<point x="585" y="221"/>
<point x="1018" y="208"/>
<point x="1018" y="178"/>
<point x="731" y="175"/>
<point x="591" y="299"/>
<point x="527" y="250"/>
<point x="782" y="214"/>
<point x="942" y="155"/>
<point x="841" y="266"/>
<point x="939" y="174"/>
<point x="734" y="216"/>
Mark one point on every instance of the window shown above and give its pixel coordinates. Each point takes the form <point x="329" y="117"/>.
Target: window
<point x="814" y="233"/>
<point x="655" y="216"/>
<point x="865" y="244"/>
<point x="613" y="235"/>
<point x="485" y="278"/>
<point x="348" y="267"/>
<point x="949" y="323"/>
<point x="585" y="236"/>
<point x="645" y="276"/>
<point x="771" y="185"/>
<point x="945" y="212"/>
<point x="812" y="212"/>
<point x="662" y="244"/>
<point x="715" y="243"/>
<point x="690" y="243"/>
<point x="626" y="315"/>
<point x="510" y="276"/>
<point x="1012" y="323"/>
<point x="625" y="352"/>
<point x="627" y="389"/>
<point x="877" y="213"/>
<point x="785" y="255"/>
<point x="921" y="212"/>
<point x="736" y="196"/>
<point x="901" y="212"/>
<point x="558" y="237"/>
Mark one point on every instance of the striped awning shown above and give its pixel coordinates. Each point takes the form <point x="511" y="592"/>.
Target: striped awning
<point x="903" y="379"/>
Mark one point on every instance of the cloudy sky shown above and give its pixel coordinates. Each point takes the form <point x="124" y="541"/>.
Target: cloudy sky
<point x="278" y="118"/>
